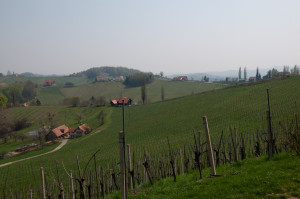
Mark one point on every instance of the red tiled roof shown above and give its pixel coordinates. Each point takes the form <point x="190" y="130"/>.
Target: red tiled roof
<point x="114" y="101"/>
<point x="72" y="130"/>
<point x="58" y="131"/>
<point x="120" y="100"/>
<point x="48" y="81"/>
<point x="84" y="127"/>
<point x="181" y="77"/>
<point x="100" y="79"/>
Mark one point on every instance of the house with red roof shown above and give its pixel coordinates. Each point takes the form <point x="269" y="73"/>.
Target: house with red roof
<point x="58" y="133"/>
<point x="80" y="131"/>
<point x="252" y="79"/>
<point x="119" y="101"/>
<point x="181" y="78"/>
<point x="100" y="80"/>
<point x="48" y="82"/>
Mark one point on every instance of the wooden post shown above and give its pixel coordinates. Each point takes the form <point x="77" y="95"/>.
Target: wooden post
<point x="43" y="183"/>
<point x="97" y="180"/>
<point x="122" y="162"/>
<point x="270" y="134"/>
<point x="30" y="193"/>
<point x="72" y="185"/>
<point x="172" y="160"/>
<point x="102" y="182"/>
<point x="209" y="147"/>
<point x="81" y="180"/>
<point x="61" y="188"/>
<point x="130" y="170"/>
<point x="181" y="161"/>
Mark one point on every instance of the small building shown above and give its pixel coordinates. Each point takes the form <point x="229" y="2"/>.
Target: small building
<point x="58" y="133"/>
<point x="266" y="77"/>
<point x="3" y="84"/>
<point x="100" y="80"/>
<point x="48" y="82"/>
<point x="181" y="78"/>
<point x="119" y="101"/>
<point x="73" y="75"/>
<point x="16" y="75"/>
<point x="283" y="74"/>
<point x="252" y="79"/>
<point x="80" y="131"/>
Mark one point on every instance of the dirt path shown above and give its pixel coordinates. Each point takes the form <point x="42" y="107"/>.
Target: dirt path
<point x="56" y="149"/>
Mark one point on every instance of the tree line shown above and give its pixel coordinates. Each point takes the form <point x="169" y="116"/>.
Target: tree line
<point x="17" y="93"/>
<point x="139" y="79"/>
<point x="106" y="71"/>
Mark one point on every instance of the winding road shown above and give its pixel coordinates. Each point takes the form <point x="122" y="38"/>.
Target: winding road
<point x="64" y="141"/>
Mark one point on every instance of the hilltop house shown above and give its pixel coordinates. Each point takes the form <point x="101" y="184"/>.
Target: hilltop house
<point x="119" y="101"/>
<point x="252" y="79"/>
<point x="100" y="80"/>
<point x="182" y="78"/>
<point x="80" y="131"/>
<point x="58" y="133"/>
<point x="48" y="82"/>
<point x="283" y="74"/>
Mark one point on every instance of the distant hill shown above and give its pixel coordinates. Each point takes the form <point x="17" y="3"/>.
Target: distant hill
<point x="221" y="75"/>
<point x="108" y="71"/>
<point x="28" y="74"/>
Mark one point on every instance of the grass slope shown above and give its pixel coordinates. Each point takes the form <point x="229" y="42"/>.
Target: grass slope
<point x="252" y="178"/>
<point x="148" y="126"/>
<point x="49" y="95"/>
<point x="112" y="90"/>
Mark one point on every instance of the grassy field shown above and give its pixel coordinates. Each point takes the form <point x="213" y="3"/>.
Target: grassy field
<point x="149" y="125"/>
<point x="252" y="178"/>
<point x="85" y="89"/>
<point x="112" y="90"/>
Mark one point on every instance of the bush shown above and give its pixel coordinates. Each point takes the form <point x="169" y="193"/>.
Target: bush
<point x="21" y="124"/>
<point x="138" y="79"/>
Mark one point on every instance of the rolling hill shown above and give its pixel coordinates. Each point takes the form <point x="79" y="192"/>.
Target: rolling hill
<point x="148" y="126"/>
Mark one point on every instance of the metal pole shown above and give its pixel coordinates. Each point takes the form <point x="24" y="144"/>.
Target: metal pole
<point x="123" y="109"/>
<point x="124" y="147"/>
<point x="268" y="99"/>
<point x="122" y="164"/>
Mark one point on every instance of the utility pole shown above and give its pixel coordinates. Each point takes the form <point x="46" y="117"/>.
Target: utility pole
<point x="123" y="157"/>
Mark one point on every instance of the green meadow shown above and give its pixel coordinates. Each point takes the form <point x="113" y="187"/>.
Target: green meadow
<point x="148" y="126"/>
<point x="251" y="178"/>
<point x="112" y="90"/>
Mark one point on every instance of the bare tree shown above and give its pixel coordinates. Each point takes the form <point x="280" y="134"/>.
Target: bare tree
<point x="162" y="93"/>
<point x="79" y="117"/>
<point x="245" y="73"/>
<point x="143" y="91"/>
<point x="161" y="74"/>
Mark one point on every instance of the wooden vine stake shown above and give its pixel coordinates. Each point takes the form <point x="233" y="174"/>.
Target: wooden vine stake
<point x="130" y="170"/>
<point x="209" y="148"/>
<point x="43" y="183"/>
<point x="122" y="163"/>
<point x="72" y="185"/>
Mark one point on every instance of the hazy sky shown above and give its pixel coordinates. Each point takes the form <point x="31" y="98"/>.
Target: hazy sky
<point x="61" y="37"/>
